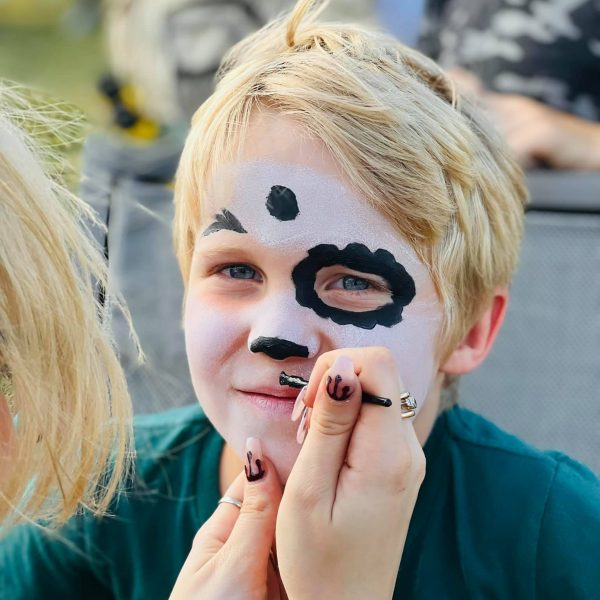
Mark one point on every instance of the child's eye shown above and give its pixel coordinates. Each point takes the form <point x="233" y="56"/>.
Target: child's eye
<point x="239" y="272"/>
<point x="349" y="282"/>
<point x="353" y="283"/>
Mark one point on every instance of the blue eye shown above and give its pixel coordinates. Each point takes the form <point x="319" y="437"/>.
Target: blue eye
<point x="240" y="272"/>
<point x="355" y="283"/>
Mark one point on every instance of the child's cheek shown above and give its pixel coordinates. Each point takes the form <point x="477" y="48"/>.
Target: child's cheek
<point x="210" y="336"/>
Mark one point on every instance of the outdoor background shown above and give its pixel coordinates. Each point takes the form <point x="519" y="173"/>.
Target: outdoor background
<point x="45" y="44"/>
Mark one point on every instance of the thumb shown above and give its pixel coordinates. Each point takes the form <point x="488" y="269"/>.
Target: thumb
<point x="334" y="413"/>
<point x="254" y="530"/>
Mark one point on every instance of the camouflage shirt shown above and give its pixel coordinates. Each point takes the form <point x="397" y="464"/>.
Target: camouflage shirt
<point x="548" y="50"/>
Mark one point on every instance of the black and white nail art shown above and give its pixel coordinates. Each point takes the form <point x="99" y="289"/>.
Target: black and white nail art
<point x="253" y="467"/>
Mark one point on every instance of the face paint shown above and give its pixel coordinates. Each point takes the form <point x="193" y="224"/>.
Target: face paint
<point x="282" y="203"/>
<point x="359" y="258"/>
<point x="336" y="275"/>
<point x="224" y="220"/>
<point x="278" y="349"/>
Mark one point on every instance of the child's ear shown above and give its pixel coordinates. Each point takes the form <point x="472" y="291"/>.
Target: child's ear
<point x="475" y="346"/>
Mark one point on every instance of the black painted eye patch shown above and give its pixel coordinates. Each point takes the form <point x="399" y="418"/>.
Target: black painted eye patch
<point x="360" y="258"/>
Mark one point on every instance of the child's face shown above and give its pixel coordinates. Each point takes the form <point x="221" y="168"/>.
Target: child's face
<point x="289" y="263"/>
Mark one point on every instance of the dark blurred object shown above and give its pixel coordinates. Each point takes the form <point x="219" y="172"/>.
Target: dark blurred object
<point x="548" y="51"/>
<point x="125" y="113"/>
<point x="542" y="379"/>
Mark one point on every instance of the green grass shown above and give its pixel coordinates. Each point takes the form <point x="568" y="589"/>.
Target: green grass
<point x="64" y="66"/>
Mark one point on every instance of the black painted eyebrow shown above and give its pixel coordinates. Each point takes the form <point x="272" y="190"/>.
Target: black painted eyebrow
<point x="224" y="220"/>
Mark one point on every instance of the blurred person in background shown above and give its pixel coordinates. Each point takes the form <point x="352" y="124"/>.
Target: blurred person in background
<point x="535" y="67"/>
<point x="64" y="407"/>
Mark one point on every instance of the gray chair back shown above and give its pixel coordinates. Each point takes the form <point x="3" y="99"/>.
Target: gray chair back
<point x="542" y="378"/>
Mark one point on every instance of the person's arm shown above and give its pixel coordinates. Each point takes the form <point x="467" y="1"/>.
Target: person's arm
<point x="35" y="563"/>
<point x="569" y="541"/>
<point x="534" y="131"/>
<point x="537" y="132"/>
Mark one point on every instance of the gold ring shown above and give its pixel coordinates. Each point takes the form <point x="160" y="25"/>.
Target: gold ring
<point x="408" y="405"/>
<point x="230" y="500"/>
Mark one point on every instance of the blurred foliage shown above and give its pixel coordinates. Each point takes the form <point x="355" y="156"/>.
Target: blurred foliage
<point x="53" y="61"/>
<point x="32" y="13"/>
<point x="61" y="66"/>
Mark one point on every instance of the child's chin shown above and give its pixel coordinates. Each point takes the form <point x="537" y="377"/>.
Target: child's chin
<point x="283" y="456"/>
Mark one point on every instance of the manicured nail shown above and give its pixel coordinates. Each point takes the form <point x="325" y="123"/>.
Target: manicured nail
<point x="303" y="427"/>
<point x="299" y="404"/>
<point x="254" y="460"/>
<point x="340" y="381"/>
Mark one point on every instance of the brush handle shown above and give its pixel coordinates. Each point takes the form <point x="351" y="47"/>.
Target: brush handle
<point x="294" y="381"/>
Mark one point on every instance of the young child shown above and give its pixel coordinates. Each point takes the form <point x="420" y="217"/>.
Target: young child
<point x="64" y="406"/>
<point x="343" y="217"/>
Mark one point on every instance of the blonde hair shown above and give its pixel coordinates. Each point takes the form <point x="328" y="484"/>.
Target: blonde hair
<point x="414" y="150"/>
<point x="71" y="410"/>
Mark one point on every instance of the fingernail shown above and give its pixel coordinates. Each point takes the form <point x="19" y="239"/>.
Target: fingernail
<point x="303" y="427"/>
<point x="299" y="404"/>
<point x="254" y="467"/>
<point x="340" y="381"/>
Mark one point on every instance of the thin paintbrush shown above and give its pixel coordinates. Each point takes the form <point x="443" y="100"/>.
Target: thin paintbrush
<point x="296" y="381"/>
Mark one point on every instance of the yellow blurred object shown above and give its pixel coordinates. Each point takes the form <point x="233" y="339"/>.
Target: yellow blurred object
<point x="144" y="129"/>
<point x="127" y="94"/>
<point x="32" y="13"/>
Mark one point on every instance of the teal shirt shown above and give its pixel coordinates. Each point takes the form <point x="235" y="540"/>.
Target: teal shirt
<point x="494" y="519"/>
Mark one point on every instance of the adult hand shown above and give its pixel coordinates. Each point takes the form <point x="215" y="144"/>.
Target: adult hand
<point x="230" y="554"/>
<point x="347" y="504"/>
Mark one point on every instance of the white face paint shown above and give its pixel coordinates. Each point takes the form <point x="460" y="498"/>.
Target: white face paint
<point x="224" y="313"/>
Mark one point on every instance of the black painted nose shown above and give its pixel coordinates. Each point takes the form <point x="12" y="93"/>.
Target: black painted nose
<point x="277" y="348"/>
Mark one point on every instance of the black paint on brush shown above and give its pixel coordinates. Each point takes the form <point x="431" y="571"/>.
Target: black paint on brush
<point x="295" y="381"/>
<point x="277" y="348"/>
<point x="224" y="220"/>
<point x="357" y="257"/>
<point x="282" y="203"/>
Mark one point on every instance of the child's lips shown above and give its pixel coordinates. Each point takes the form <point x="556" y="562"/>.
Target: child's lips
<point x="274" y="402"/>
<point x="279" y="393"/>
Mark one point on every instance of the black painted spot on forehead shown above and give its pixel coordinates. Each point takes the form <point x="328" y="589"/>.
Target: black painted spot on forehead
<point x="224" y="220"/>
<point x="282" y="203"/>
<point x="359" y="258"/>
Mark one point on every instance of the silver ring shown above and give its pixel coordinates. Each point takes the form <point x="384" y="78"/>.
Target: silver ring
<point x="230" y="500"/>
<point x="408" y="405"/>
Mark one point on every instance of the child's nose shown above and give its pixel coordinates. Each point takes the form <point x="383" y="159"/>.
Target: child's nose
<point x="283" y="329"/>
